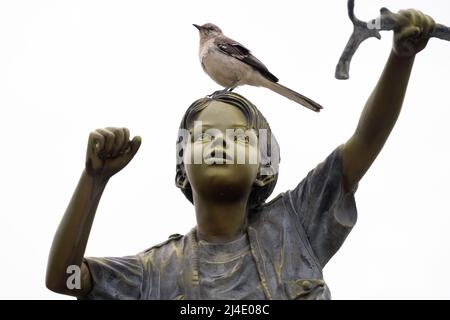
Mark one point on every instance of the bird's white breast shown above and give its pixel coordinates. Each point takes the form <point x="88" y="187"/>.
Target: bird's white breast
<point x="222" y="68"/>
<point x="204" y="48"/>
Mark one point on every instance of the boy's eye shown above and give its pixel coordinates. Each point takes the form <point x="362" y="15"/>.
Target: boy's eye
<point x="203" y="137"/>
<point x="242" y="138"/>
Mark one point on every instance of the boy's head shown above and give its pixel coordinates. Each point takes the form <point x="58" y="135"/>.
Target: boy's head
<point x="226" y="151"/>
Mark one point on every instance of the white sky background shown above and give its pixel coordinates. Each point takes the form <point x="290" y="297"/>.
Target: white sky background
<point x="69" y="67"/>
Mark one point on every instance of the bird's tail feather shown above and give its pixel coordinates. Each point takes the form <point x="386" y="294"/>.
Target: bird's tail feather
<point x="292" y="95"/>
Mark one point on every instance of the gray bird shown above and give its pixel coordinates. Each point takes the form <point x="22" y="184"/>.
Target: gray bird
<point x="230" y="64"/>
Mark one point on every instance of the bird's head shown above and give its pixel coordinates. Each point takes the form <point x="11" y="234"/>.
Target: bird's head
<point x="208" y="30"/>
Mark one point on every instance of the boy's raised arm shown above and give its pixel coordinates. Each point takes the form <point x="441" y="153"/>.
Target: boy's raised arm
<point x="383" y="106"/>
<point x="109" y="151"/>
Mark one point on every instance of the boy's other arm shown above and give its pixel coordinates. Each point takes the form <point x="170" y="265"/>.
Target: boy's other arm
<point x="109" y="151"/>
<point x="384" y="104"/>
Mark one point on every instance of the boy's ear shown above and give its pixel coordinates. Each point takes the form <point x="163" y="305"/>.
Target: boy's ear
<point x="181" y="181"/>
<point x="262" y="181"/>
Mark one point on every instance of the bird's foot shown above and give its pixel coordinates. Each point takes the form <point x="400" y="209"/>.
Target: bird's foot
<point x="217" y="92"/>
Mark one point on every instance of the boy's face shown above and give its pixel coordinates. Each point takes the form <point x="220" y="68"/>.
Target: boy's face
<point x="222" y="156"/>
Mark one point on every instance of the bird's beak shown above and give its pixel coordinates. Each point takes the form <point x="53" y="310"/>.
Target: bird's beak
<point x="197" y="26"/>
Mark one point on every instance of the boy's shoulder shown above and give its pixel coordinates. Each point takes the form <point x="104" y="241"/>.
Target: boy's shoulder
<point x="272" y="210"/>
<point x="273" y="204"/>
<point x="172" y="238"/>
<point x="275" y="200"/>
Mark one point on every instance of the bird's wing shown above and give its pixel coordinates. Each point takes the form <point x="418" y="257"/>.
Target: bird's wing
<point x="238" y="51"/>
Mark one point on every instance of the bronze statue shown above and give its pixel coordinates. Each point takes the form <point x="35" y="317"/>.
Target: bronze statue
<point x="241" y="247"/>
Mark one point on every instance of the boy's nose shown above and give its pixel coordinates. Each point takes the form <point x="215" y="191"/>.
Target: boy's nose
<point x="219" y="140"/>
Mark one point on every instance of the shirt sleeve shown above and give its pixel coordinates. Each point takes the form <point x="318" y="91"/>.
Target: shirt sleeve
<point x="115" y="278"/>
<point x="325" y="211"/>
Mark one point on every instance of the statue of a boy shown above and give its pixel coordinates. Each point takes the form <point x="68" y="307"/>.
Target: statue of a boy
<point x="242" y="247"/>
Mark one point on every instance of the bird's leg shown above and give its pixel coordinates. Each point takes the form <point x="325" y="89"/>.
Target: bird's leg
<point x="218" y="92"/>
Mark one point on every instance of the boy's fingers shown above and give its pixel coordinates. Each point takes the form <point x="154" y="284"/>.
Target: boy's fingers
<point x="135" y="144"/>
<point x="429" y="25"/>
<point x="126" y="140"/>
<point x="411" y="15"/>
<point x="409" y="32"/>
<point x="118" y="140"/>
<point x="402" y="18"/>
<point x="109" y="141"/>
<point x="96" y="143"/>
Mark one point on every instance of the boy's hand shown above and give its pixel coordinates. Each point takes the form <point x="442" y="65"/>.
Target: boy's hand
<point x="109" y="151"/>
<point x="414" y="32"/>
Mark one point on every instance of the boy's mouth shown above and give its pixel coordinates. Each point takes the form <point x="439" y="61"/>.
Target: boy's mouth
<point x="218" y="156"/>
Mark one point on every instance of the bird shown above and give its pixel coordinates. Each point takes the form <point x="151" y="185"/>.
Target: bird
<point x="231" y="64"/>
